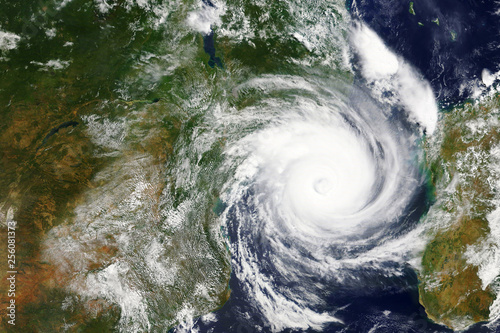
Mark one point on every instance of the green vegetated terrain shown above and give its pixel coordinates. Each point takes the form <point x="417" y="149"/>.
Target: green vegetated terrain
<point x="98" y="106"/>
<point x="462" y="167"/>
<point x="121" y="98"/>
<point x="51" y="156"/>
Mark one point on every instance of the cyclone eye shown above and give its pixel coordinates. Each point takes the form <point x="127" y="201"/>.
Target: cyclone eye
<point x="323" y="185"/>
<point x="314" y="191"/>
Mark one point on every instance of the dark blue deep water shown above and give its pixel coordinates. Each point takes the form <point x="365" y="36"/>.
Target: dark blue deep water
<point x="389" y="303"/>
<point x="450" y="55"/>
<point x="450" y="64"/>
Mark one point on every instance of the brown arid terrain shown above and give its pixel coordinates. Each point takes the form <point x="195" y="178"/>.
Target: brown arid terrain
<point x="450" y="289"/>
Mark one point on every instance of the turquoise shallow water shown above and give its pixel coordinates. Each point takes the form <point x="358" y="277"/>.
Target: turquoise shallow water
<point x="162" y="160"/>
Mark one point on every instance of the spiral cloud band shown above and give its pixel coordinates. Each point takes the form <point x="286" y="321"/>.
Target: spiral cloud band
<point x="314" y="178"/>
<point x="316" y="187"/>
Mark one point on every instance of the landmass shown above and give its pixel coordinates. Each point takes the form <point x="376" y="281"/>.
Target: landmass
<point x="84" y="150"/>
<point x="411" y="9"/>
<point x="462" y="161"/>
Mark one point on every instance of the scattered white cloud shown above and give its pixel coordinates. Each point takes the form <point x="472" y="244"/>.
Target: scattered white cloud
<point x="204" y="18"/>
<point x="104" y="132"/>
<point x="303" y="40"/>
<point x="488" y="77"/>
<point x="56" y="64"/>
<point x="51" y="33"/>
<point x="8" y="41"/>
<point x="486" y="254"/>
<point x="103" y="6"/>
<point x="62" y="4"/>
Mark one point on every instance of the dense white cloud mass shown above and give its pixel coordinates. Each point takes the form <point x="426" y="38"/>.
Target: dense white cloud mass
<point x="203" y="19"/>
<point x="325" y="173"/>
<point x="389" y="73"/>
<point x="8" y="40"/>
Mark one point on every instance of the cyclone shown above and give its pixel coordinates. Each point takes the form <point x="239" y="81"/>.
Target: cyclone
<point x="251" y="166"/>
<point x="317" y="189"/>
